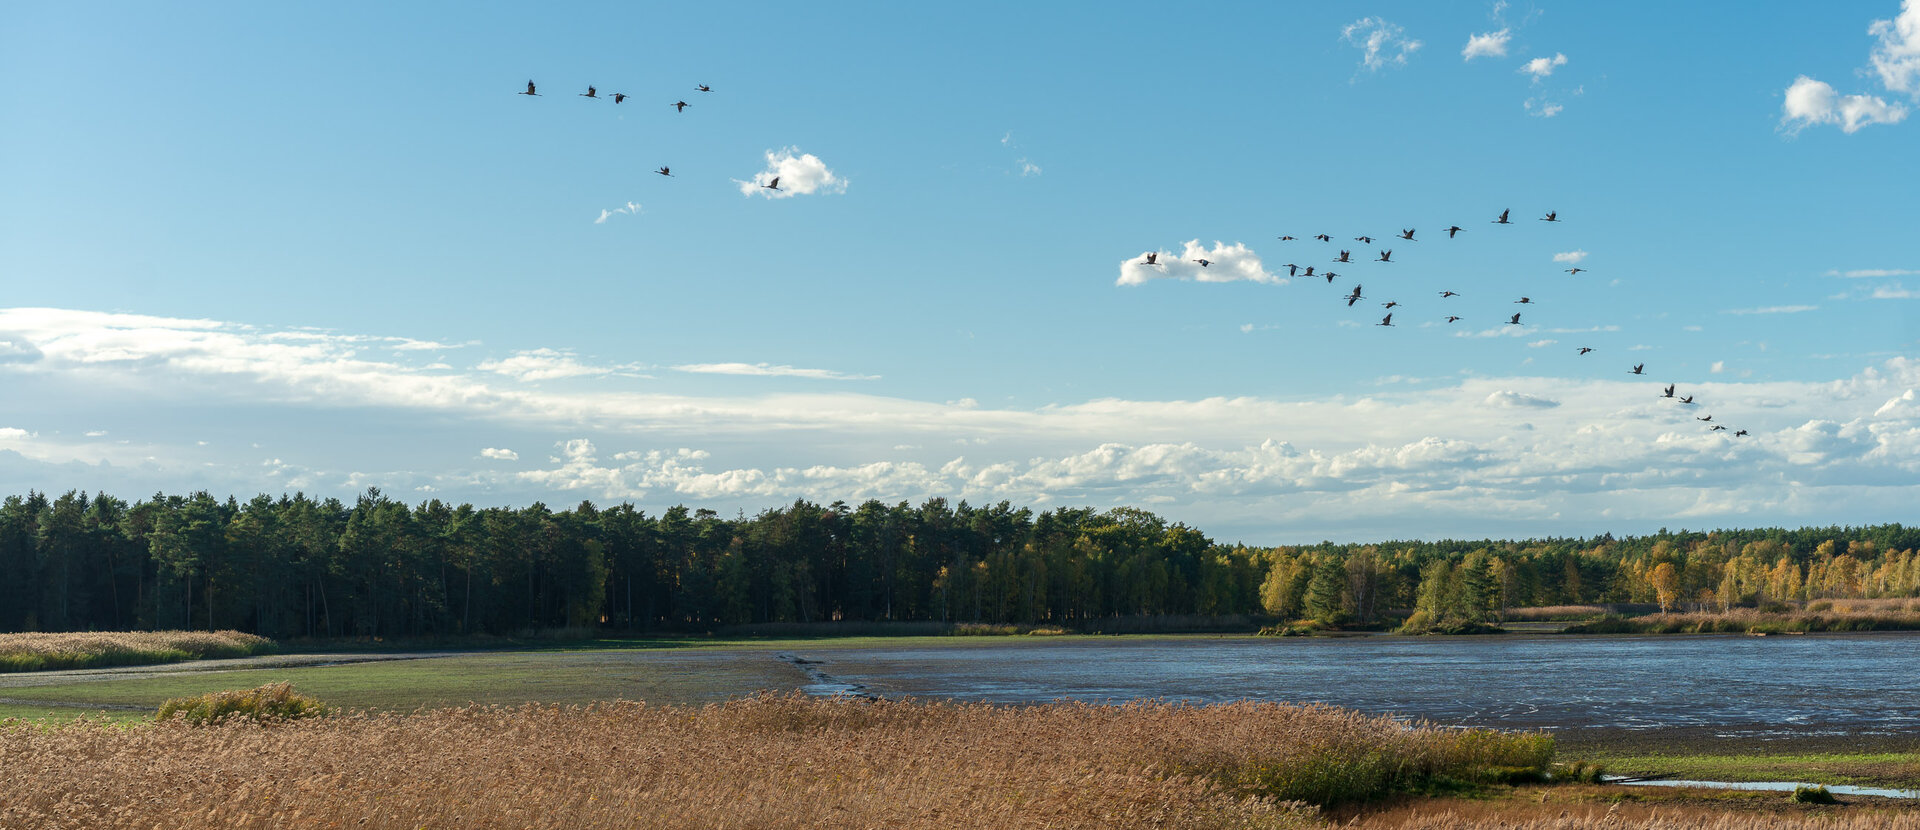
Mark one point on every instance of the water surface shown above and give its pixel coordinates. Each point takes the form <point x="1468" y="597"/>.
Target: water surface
<point x="1850" y="684"/>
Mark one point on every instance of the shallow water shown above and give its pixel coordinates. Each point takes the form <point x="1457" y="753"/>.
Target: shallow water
<point x="1773" y="786"/>
<point x="1731" y="685"/>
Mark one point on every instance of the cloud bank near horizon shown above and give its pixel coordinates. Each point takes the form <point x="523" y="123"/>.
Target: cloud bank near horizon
<point x="1484" y="451"/>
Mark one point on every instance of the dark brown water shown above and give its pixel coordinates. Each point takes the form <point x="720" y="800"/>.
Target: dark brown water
<point x="1730" y="685"/>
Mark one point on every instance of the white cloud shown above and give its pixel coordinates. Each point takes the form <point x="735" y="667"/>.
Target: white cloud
<point x="1477" y="455"/>
<point x="1570" y="257"/>
<point x="767" y="370"/>
<point x="1381" y="43"/>
<point x="96" y="433"/>
<point x="1542" y="108"/>
<point x="1907" y="405"/>
<point x="799" y="174"/>
<point x="1022" y="165"/>
<point x="1541" y="68"/>
<point x="1810" y="102"/>
<point x="14" y="434"/>
<point x="1487" y="45"/>
<point x="1894" y="292"/>
<point x="1225" y="263"/>
<point x="1510" y="399"/>
<point x="498" y="454"/>
<point x="1718" y="367"/>
<point x="1874" y="272"/>
<point x="1897" y="56"/>
<point x="1540" y="344"/>
<point x="1772" y="309"/>
<point x="549" y="364"/>
<point x="631" y="209"/>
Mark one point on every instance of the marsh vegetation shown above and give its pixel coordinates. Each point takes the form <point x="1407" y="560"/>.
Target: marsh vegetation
<point x="90" y="650"/>
<point x="758" y="762"/>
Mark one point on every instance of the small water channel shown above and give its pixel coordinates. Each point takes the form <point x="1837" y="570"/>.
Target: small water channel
<point x="1772" y="786"/>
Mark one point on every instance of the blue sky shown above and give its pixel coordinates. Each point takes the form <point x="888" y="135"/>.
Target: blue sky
<point x="263" y="249"/>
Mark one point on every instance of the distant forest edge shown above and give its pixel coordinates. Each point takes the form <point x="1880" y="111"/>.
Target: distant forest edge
<point x="303" y="567"/>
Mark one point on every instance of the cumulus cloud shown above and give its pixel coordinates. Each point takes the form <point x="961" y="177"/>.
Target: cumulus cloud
<point x="1471" y="454"/>
<point x="1809" y="102"/>
<point x="1225" y="263"/>
<point x="1907" y="405"/>
<point x="17" y="350"/>
<point x="1570" y="257"/>
<point x="767" y="370"/>
<point x="550" y="364"/>
<point x="1541" y="108"/>
<point x="499" y="454"/>
<point x="1541" y="68"/>
<point x="1718" y="367"/>
<point x="14" y="434"/>
<point x="1487" y="45"/>
<point x="1509" y="399"/>
<point x="1381" y="44"/>
<point x="797" y="173"/>
<point x="1896" y="57"/>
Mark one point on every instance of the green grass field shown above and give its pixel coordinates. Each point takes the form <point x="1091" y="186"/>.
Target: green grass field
<point x="507" y="677"/>
<point x="1874" y="768"/>
<point x="659" y="670"/>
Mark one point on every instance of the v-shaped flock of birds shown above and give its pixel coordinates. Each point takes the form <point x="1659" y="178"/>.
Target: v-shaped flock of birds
<point x="678" y="106"/>
<point x="1409" y="235"/>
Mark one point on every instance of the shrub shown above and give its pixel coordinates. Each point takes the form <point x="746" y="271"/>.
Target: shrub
<point x="269" y="703"/>
<point x="1580" y="772"/>
<point x="984" y="630"/>
<point x="1815" y="794"/>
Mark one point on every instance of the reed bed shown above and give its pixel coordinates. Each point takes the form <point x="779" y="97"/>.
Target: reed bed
<point x="1554" y="613"/>
<point x="764" y="762"/>
<point x="86" y="650"/>
<point x="1751" y="621"/>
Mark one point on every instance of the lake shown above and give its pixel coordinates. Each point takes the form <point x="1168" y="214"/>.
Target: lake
<point x="1731" y="685"/>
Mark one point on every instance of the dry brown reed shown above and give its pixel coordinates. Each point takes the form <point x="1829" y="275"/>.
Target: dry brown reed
<point x="85" y="649"/>
<point x="767" y="762"/>
<point x="1546" y="613"/>
<point x="1845" y="615"/>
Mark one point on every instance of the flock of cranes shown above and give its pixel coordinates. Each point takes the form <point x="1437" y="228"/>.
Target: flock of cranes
<point x="1385" y="256"/>
<point x="621" y="98"/>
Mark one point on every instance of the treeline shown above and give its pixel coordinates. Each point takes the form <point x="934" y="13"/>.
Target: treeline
<point x="303" y="567"/>
<point x="1458" y="585"/>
